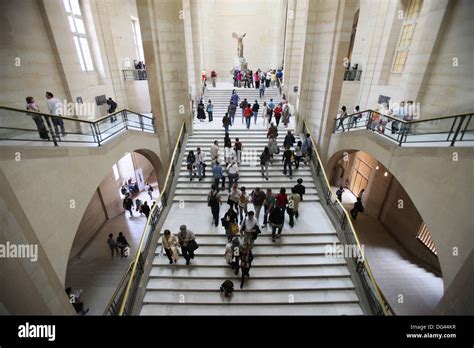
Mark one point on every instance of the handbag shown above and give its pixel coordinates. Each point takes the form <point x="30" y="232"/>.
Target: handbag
<point x="234" y="229"/>
<point x="192" y="245"/>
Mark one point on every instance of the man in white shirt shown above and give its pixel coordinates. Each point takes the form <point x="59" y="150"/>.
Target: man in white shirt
<point x="56" y="108"/>
<point x="248" y="227"/>
<point x="200" y="165"/>
<point x="233" y="173"/>
<point x="214" y="153"/>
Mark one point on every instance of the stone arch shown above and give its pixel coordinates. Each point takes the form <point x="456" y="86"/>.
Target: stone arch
<point x="103" y="169"/>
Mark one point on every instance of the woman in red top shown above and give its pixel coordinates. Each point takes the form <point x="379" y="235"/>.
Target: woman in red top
<point x="281" y="198"/>
<point x="248" y="113"/>
<point x="277" y="111"/>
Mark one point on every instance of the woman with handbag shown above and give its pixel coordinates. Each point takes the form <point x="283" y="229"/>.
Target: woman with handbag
<point x="188" y="244"/>
<point x="169" y="243"/>
<point x="229" y="221"/>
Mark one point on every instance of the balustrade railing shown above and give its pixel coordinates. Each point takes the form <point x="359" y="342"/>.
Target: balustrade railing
<point x="450" y="130"/>
<point x="18" y="125"/>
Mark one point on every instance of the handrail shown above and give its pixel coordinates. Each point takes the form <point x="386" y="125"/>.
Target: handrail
<point x="405" y="121"/>
<point x="15" y="126"/>
<point x="72" y="118"/>
<point x="136" y="261"/>
<point x="378" y="292"/>
<point x="432" y="130"/>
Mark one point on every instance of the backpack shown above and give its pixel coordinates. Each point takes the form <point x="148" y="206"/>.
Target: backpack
<point x="227" y="288"/>
<point x="212" y="200"/>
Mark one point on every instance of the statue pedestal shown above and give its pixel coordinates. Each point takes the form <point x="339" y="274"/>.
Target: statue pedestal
<point x="240" y="63"/>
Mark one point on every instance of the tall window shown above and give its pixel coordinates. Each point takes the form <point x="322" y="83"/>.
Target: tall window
<point x="76" y="24"/>
<point x="137" y="38"/>
<point x="406" y="36"/>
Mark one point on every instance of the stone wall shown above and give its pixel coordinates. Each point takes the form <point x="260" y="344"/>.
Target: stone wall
<point x="37" y="32"/>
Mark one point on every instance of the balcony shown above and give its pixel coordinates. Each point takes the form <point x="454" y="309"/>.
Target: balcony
<point x="134" y="74"/>
<point x="352" y="75"/>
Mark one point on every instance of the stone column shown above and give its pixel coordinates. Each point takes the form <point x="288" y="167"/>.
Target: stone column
<point x="162" y="26"/>
<point x="328" y="33"/>
<point x="295" y="38"/>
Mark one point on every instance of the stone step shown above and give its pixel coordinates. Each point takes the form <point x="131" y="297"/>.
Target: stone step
<point x="246" y="296"/>
<point x="264" y="239"/>
<point x="283" y="309"/>
<point x="254" y="180"/>
<point x="277" y="167"/>
<point x="281" y="250"/>
<point x="262" y="272"/>
<point x="201" y="191"/>
<point x="268" y="261"/>
<point x="252" y="283"/>
<point x="305" y="175"/>
<point x="195" y="184"/>
<point x="191" y="198"/>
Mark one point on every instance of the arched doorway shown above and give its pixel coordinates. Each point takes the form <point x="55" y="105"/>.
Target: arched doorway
<point x="94" y="270"/>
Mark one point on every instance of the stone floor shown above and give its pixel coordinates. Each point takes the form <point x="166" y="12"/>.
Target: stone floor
<point x="95" y="271"/>
<point x="394" y="269"/>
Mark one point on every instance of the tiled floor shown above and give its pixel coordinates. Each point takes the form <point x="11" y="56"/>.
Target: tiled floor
<point x="95" y="271"/>
<point x="396" y="272"/>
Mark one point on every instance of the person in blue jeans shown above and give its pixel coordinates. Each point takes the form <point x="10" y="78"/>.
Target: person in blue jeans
<point x="268" y="203"/>
<point x="255" y="109"/>
<point x="210" y="110"/>
<point x="262" y="89"/>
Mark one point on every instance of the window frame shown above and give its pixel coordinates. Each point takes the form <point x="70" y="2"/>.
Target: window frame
<point x="140" y="54"/>
<point x="81" y="40"/>
<point x="407" y="22"/>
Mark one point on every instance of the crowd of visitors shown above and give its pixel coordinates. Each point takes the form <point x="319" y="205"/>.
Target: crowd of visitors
<point x="378" y="119"/>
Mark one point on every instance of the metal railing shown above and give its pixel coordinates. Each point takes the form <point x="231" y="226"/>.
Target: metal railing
<point x="449" y="129"/>
<point x="348" y="236"/>
<point x="134" y="74"/>
<point x="29" y="126"/>
<point x="352" y="75"/>
<point x="123" y="298"/>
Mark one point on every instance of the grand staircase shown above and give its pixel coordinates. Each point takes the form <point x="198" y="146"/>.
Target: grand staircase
<point x="292" y="276"/>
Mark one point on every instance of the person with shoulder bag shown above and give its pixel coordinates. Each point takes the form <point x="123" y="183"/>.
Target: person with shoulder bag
<point x="188" y="244"/>
<point x="169" y="243"/>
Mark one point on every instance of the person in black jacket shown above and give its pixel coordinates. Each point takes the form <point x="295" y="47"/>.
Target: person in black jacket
<point x="289" y="140"/>
<point x="145" y="209"/>
<point x="358" y="208"/>
<point x="122" y="243"/>
<point x="286" y="159"/>
<point x="299" y="188"/>
<point x="255" y="109"/>
<point x="276" y="220"/>
<point x="128" y="204"/>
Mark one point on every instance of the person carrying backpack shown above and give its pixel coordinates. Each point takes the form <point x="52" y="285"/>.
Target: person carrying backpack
<point x="112" y="107"/>
<point x="243" y="105"/>
<point x="214" y="201"/>
<point x="227" y="288"/>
